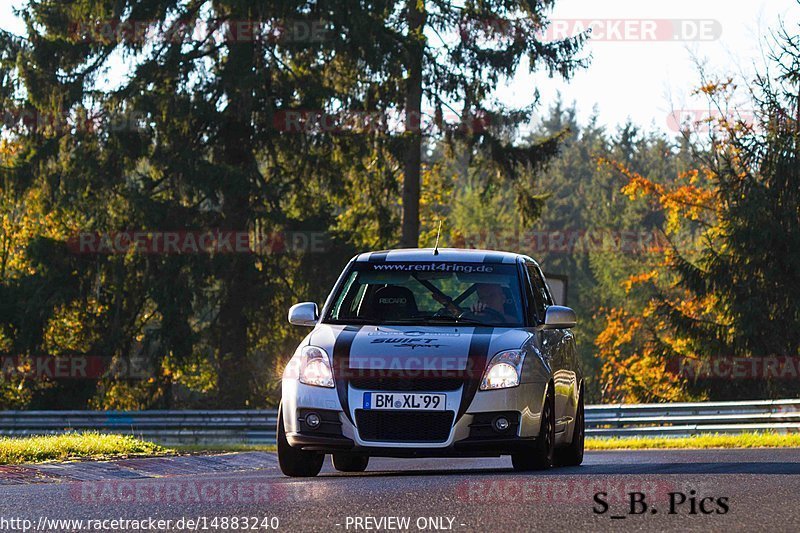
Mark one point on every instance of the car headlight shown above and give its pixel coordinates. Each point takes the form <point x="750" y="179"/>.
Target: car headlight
<point x="504" y="370"/>
<point x="315" y="367"/>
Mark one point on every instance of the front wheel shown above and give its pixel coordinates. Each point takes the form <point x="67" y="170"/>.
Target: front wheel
<point x="540" y="455"/>
<point x="345" y="462"/>
<point x="293" y="461"/>
<point x="572" y="455"/>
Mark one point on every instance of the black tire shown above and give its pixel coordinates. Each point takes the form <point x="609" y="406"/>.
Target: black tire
<point x="345" y="462"/>
<point x="541" y="455"/>
<point x="293" y="461"/>
<point x="572" y="455"/>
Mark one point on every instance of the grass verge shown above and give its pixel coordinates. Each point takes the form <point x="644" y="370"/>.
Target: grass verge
<point x="743" y="440"/>
<point x="70" y="446"/>
<point x="97" y="446"/>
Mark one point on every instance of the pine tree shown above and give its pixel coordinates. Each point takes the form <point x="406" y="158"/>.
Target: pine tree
<point x="455" y="56"/>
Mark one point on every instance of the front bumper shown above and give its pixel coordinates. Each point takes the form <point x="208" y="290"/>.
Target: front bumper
<point x="466" y="448"/>
<point x="467" y="435"/>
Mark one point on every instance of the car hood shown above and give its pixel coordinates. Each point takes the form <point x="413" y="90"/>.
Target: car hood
<point x="413" y="347"/>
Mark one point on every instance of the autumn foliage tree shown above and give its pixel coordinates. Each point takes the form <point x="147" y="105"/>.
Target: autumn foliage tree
<point x="728" y="284"/>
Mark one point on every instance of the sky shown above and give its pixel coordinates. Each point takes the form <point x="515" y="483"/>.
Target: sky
<point x="644" y="55"/>
<point x="648" y="80"/>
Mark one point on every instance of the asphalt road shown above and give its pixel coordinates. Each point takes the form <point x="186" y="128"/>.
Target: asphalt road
<point x="706" y="490"/>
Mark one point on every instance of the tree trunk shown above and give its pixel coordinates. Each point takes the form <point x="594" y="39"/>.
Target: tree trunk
<point x="413" y="160"/>
<point x="236" y="151"/>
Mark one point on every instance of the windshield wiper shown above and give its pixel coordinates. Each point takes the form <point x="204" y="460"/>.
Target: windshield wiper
<point x="438" y="295"/>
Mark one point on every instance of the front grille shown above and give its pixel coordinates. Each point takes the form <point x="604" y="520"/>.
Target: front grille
<point x="404" y="426"/>
<point x="382" y="383"/>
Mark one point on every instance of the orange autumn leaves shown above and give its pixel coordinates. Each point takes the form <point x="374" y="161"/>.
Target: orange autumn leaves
<point x="690" y="198"/>
<point x="632" y="371"/>
<point x="636" y="279"/>
<point x="634" y="339"/>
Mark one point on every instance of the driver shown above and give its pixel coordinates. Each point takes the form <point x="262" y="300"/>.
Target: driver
<point x="491" y="297"/>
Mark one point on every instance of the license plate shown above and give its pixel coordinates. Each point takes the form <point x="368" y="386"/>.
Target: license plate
<point x="402" y="401"/>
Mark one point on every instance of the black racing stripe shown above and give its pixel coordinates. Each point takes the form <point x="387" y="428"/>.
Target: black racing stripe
<point x="493" y="258"/>
<point x="476" y="364"/>
<point x="377" y="257"/>
<point x="341" y="364"/>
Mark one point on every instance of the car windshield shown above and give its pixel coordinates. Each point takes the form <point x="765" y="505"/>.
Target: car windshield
<point x="429" y="294"/>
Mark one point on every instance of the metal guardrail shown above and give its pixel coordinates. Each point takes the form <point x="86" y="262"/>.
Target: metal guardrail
<point x="164" y="427"/>
<point x="258" y="426"/>
<point x="684" y="419"/>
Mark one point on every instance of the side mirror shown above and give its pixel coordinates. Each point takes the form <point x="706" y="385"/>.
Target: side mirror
<point x="303" y="314"/>
<point x="559" y="317"/>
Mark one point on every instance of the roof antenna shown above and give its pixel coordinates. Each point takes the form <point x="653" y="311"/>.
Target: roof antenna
<point x="438" y="232"/>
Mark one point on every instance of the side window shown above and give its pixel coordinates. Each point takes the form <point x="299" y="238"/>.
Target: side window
<point x="534" y="302"/>
<point x="548" y="298"/>
<point x="541" y="298"/>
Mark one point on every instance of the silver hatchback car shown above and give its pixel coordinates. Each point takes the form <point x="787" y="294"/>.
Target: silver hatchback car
<point x="424" y="353"/>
